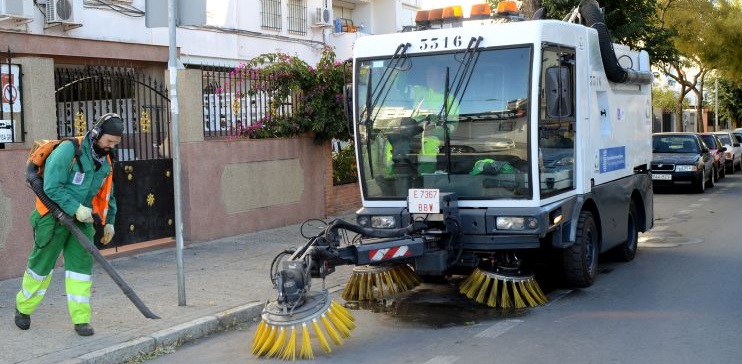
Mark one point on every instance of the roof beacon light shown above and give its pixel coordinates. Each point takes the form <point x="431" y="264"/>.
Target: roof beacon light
<point x="435" y="15"/>
<point x="421" y="18"/>
<point x="480" y="11"/>
<point x="453" y="13"/>
<point x="505" y="8"/>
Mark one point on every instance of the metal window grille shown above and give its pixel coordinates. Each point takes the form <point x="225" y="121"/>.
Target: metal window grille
<point x="230" y="109"/>
<point x="297" y="17"/>
<point x="270" y="11"/>
<point x="84" y="94"/>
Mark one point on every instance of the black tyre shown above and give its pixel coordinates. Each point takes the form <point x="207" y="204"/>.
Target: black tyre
<point x="700" y="185"/>
<point x="627" y="251"/>
<point x="580" y="261"/>
<point x="722" y="171"/>
<point x="717" y="174"/>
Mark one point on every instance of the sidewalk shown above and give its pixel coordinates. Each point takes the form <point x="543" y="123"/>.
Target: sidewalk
<point x="226" y="283"/>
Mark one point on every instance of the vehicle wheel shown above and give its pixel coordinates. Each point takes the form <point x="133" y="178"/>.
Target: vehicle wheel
<point x="739" y="165"/>
<point x="700" y="185"/>
<point x="716" y="174"/>
<point x="627" y="250"/>
<point x="722" y="172"/>
<point x="580" y="261"/>
<point x="711" y="181"/>
<point x="730" y="170"/>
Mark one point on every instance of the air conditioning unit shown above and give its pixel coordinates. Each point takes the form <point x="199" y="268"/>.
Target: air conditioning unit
<point x="323" y="17"/>
<point x="60" y="11"/>
<point x="17" y="9"/>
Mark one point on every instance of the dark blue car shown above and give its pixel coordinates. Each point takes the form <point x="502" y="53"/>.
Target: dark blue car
<point x="682" y="159"/>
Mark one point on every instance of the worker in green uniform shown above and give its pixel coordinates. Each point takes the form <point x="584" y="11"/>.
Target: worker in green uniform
<point x="429" y="103"/>
<point x="80" y="193"/>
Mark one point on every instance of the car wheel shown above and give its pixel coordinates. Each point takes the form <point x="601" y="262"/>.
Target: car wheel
<point x="711" y="181"/>
<point x="700" y="185"/>
<point x="730" y="170"/>
<point x="716" y="174"/>
<point x="627" y="250"/>
<point x="739" y="165"/>
<point x="722" y="172"/>
<point x="580" y="261"/>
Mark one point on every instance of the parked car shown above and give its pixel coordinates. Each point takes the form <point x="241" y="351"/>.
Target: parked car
<point x="717" y="149"/>
<point x="733" y="152"/>
<point x="681" y="158"/>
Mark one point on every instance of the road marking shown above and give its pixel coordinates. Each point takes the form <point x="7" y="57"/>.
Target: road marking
<point x="442" y="360"/>
<point x="499" y="328"/>
<point x="694" y="205"/>
<point x="703" y="199"/>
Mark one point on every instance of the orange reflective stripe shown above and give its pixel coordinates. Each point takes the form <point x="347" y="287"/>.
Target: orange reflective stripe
<point x="100" y="200"/>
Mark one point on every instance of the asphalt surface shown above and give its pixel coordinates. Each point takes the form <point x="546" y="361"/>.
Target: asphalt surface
<point x="226" y="284"/>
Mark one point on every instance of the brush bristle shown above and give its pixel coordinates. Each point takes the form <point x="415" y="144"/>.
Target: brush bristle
<point x="306" y="343"/>
<point x="367" y="283"/>
<point x="502" y="291"/>
<point x="289" y="353"/>
<point x="321" y="337"/>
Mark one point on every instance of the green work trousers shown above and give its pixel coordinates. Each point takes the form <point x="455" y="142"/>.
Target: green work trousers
<point x="51" y="238"/>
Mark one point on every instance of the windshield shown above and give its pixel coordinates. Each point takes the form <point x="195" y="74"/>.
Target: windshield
<point x="674" y="144"/>
<point x="445" y="121"/>
<point x="709" y="140"/>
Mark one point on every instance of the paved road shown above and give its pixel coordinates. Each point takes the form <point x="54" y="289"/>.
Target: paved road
<point x="677" y="302"/>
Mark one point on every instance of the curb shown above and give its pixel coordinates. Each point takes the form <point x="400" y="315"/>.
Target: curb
<point x="175" y="335"/>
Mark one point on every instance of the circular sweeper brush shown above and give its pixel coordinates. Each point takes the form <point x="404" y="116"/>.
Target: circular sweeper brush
<point x="503" y="290"/>
<point x="370" y="282"/>
<point x="277" y="335"/>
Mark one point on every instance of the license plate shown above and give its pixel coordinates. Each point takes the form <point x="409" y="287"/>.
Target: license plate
<point x="423" y="201"/>
<point x="662" y="177"/>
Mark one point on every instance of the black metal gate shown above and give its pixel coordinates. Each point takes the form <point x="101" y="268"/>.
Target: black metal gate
<point x="143" y="183"/>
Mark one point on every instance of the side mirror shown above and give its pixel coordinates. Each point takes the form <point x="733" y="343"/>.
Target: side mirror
<point x="735" y="145"/>
<point x="704" y="150"/>
<point x="723" y="149"/>
<point x="558" y="92"/>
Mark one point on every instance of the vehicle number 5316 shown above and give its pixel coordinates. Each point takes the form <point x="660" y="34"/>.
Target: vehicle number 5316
<point x="440" y="43"/>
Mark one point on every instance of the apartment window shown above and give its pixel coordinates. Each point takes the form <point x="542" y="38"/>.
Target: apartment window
<point x="270" y="12"/>
<point x="297" y="17"/>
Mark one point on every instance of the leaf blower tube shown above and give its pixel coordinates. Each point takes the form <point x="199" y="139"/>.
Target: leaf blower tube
<point x="37" y="185"/>
<point x="590" y="11"/>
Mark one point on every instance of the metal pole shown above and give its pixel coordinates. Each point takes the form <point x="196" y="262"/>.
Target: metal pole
<point x="716" y="104"/>
<point x="172" y="68"/>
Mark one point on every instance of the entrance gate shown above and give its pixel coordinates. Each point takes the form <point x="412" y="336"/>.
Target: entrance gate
<point x="143" y="183"/>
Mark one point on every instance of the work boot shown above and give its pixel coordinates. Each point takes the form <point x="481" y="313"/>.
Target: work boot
<point x="22" y="320"/>
<point x="84" y="329"/>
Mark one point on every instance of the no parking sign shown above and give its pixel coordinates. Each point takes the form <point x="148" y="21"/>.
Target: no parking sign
<point x="11" y="90"/>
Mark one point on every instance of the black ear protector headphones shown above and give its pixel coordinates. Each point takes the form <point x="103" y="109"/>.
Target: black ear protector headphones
<point x="96" y="132"/>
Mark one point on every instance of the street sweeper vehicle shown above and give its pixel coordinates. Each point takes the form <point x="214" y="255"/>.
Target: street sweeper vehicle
<point x="485" y="150"/>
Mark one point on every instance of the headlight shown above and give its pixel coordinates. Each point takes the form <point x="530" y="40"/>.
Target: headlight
<point x="383" y="222"/>
<point x="515" y="223"/>
<point x="510" y="223"/>
<point x="363" y="221"/>
<point x="685" y="168"/>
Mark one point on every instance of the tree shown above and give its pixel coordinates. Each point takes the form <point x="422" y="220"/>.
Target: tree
<point x="730" y="102"/>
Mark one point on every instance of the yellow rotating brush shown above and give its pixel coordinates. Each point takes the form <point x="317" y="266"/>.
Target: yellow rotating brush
<point x="278" y="333"/>
<point x="504" y="291"/>
<point x="370" y="282"/>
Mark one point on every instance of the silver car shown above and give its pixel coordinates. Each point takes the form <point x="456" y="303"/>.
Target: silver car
<point x="733" y="152"/>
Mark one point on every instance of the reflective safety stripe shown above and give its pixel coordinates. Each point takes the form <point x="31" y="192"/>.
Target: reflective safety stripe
<point x="77" y="276"/>
<point x="36" y="276"/>
<point x="78" y="299"/>
<point x="28" y="294"/>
